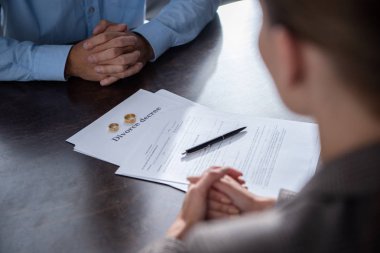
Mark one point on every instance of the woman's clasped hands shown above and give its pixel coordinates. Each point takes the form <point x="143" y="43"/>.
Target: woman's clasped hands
<point x="219" y="193"/>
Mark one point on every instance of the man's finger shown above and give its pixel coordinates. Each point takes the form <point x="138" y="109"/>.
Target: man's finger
<point x="129" y="72"/>
<point x="117" y="28"/>
<point x="101" y="27"/>
<point x="128" y="42"/>
<point x="108" y="81"/>
<point x="100" y="39"/>
<point x="124" y="59"/>
<point x="105" y="25"/>
<point x="105" y="55"/>
<point x="110" y="69"/>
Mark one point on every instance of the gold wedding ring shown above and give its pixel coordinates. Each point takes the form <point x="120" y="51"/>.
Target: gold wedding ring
<point x="113" y="127"/>
<point x="130" y="118"/>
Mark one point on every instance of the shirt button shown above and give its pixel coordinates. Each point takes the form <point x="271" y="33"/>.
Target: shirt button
<point x="91" y="10"/>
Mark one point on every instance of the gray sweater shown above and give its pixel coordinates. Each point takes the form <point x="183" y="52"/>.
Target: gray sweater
<point x="337" y="211"/>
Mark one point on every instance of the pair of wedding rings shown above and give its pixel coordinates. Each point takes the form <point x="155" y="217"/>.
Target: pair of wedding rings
<point x="129" y="118"/>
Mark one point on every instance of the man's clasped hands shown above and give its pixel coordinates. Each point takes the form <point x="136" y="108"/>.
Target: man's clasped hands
<point x="219" y="193"/>
<point x="112" y="53"/>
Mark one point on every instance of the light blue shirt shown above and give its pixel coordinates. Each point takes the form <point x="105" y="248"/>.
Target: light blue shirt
<point x="38" y="34"/>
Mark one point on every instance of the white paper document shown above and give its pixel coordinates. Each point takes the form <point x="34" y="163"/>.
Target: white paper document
<point x="96" y="141"/>
<point x="271" y="153"/>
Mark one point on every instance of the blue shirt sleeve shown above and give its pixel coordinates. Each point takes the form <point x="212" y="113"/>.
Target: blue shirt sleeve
<point x="1" y="20"/>
<point x="27" y="55"/>
<point x="25" y="61"/>
<point x="178" y="23"/>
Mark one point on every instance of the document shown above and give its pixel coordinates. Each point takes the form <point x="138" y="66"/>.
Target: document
<point x="272" y="154"/>
<point x="97" y="141"/>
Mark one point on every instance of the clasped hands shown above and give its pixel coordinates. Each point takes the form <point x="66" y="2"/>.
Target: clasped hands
<point x="218" y="193"/>
<point x="112" y="53"/>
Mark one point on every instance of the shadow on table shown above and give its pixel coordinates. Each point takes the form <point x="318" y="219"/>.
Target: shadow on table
<point x="185" y="70"/>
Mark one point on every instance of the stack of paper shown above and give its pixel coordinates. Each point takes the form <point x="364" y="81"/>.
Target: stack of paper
<point x="271" y="153"/>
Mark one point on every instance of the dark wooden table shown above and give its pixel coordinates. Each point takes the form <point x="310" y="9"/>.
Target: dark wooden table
<point x="56" y="200"/>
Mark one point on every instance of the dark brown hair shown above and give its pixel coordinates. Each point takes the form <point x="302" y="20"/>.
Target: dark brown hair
<point x="348" y="30"/>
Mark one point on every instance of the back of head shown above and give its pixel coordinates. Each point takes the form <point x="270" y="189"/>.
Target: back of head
<point x="348" y="30"/>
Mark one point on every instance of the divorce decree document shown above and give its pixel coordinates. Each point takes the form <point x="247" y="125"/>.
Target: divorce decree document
<point x="271" y="153"/>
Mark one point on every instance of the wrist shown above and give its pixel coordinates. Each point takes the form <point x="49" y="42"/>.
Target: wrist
<point x="146" y="49"/>
<point x="69" y="69"/>
<point x="178" y="229"/>
<point x="261" y="203"/>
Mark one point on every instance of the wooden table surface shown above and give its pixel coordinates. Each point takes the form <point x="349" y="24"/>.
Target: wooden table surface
<point x="53" y="199"/>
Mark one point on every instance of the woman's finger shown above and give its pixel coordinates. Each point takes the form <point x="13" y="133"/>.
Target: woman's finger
<point x="218" y="196"/>
<point x="223" y="208"/>
<point x="213" y="215"/>
<point x="234" y="173"/>
<point x="195" y="179"/>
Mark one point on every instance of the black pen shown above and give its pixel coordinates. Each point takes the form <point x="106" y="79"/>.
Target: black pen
<point x="213" y="141"/>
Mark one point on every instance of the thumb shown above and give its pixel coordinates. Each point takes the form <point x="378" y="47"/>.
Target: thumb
<point x="101" y="27"/>
<point x="210" y="177"/>
<point x="193" y="180"/>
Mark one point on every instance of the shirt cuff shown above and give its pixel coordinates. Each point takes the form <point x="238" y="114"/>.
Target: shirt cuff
<point x="50" y="62"/>
<point x="159" y="37"/>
